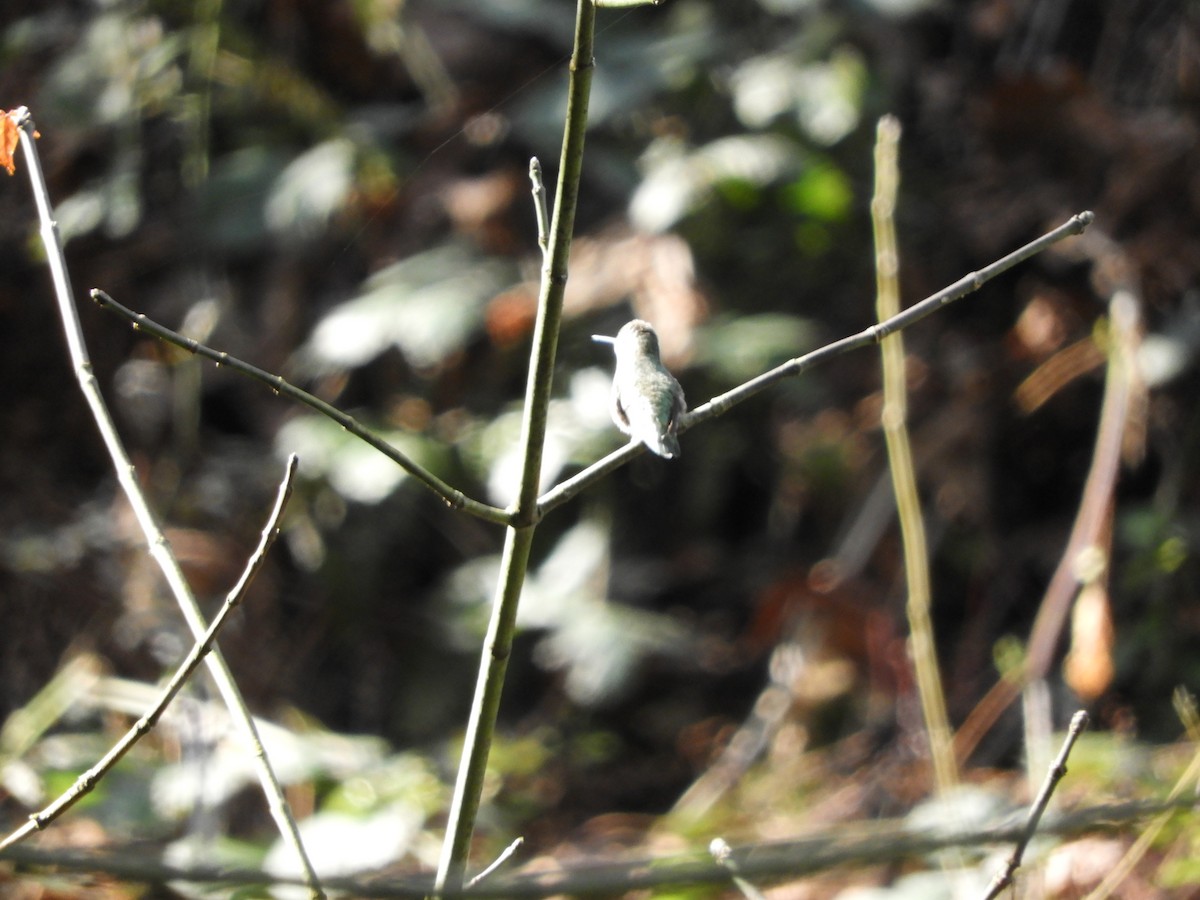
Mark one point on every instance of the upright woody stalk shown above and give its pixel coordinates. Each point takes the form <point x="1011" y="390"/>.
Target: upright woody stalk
<point x="519" y="535"/>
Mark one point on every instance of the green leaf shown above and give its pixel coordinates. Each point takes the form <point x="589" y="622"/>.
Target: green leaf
<point x="429" y="306"/>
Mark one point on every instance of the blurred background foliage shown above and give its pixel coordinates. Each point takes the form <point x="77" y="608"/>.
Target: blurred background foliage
<point x="337" y="191"/>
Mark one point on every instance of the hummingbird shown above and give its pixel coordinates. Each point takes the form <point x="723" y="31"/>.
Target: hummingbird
<point x="647" y="401"/>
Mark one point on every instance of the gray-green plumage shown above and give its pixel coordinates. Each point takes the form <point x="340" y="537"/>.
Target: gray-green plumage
<point x="647" y="401"/>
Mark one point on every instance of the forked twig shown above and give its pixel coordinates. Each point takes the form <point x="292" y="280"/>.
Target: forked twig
<point x="565" y="490"/>
<point x="88" y="780"/>
<point x="158" y="548"/>
<point x="518" y="536"/>
<point x="1058" y="769"/>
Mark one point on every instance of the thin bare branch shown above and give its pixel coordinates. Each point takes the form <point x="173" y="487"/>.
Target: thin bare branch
<point x="160" y="551"/>
<point x="89" y="779"/>
<point x="1058" y="769"/>
<point x="894" y="420"/>
<point x="1087" y="532"/>
<point x="500" y="860"/>
<point x="453" y="498"/>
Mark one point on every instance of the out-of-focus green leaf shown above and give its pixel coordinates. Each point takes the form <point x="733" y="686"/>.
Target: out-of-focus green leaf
<point x="1178" y="873"/>
<point x="428" y="306"/>
<point x="639" y="65"/>
<point x="596" y="644"/>
<point x="113" y="203"/>
<point x="200" y="847"/>
<point x="578" y="429"/>
<point x="356" y="470"/>
<point x="679" y="180"/>
<point x="404" y="778"/>
<point x="230" y="202"/>
<point x="901" y="8"/>
<point x="822" y="192"/>
<point x="342" y="844"/>
<point x="311" y="189"/>
<point x="824" y="98"/>
<point x="738" y="349"/>
<point x="125" y="65"/>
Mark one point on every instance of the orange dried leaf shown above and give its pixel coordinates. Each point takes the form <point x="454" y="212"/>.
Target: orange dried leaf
<point x="10" y="134"/>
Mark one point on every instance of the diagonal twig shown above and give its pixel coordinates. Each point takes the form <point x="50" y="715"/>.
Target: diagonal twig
<point x="158" y="547"/>
<point x="1087" y="530"/>
<point x="88" y="780"/>
<point x="453" y="498"/>
<point x="1058" y="769"/>
<point x="505" y="856"/>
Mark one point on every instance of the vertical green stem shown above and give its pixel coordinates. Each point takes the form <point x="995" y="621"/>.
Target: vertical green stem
<point x="519" y="537"/>
<point x="904" y="480"/>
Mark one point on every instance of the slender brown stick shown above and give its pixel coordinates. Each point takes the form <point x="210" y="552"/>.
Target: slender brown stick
<point x="1090" y="523"/>
<point x="88" y="780"/>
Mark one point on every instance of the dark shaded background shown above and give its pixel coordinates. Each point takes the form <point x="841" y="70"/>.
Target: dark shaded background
<point x="244" y="169"/>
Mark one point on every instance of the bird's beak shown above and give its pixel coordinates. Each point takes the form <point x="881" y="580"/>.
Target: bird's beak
<point x="603" y="339"/>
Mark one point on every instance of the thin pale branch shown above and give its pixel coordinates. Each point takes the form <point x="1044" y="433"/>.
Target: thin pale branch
<point x="453" y="498"/>
<point x="88" y="780"/>
<point x="1058" y="770"/>
<point x="539" y="204"/>
<point x="720" y="405"/>
<point x="500" y="860"/>
<point x="160" y="551"/>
